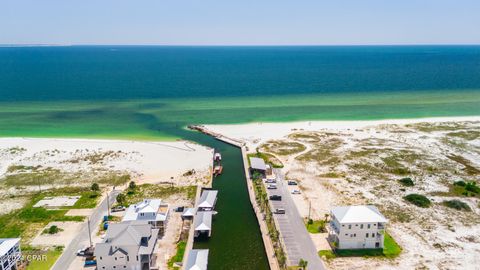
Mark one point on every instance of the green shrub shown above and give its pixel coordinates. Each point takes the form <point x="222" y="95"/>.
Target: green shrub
<point x="95" y="187"/>
<point x="460" y="183"/>
<point x="121" y="199"/>
<point x="132" y="185"/>
<point x="418" y="200"/>
<point x="472" y="187"/>
<point x="457" y="204"/>
<point x="407" y="181"/>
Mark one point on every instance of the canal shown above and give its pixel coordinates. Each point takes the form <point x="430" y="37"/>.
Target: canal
<point x="236" y="241"/>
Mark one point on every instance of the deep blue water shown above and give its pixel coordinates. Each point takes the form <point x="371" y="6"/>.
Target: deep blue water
<point x="138" y="72"/>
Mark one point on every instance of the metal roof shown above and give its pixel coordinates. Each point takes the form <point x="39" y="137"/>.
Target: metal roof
<point x="203" y="221"/>
<point x="145" y="206"/>
<point x="358" y="214"/>
<point x="208" y="198"/>
<point x="6" y="244"/>
<point x="197" y="259"/>
<point x="258" y="164"/>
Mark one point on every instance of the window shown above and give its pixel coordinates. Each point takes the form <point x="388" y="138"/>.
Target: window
<point x="100" y="257"/>
<point x="366" y="235"/>
<point x="128" y="258"/>
<point x="361" y="226"/>
<point x="368" y="226"/>
<point x="354" y="235"/>
<point x="346" y="234"/>
<point x="374" y="224"/>
<point x="115" y="258"/>
<point x="349" y="227"/>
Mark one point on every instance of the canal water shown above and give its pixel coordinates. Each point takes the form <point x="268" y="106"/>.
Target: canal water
<point x="236" y="241"/>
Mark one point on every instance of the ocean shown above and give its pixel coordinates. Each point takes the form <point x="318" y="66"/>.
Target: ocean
<point x="151" y="92"/>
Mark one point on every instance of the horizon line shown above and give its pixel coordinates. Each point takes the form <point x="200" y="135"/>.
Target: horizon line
<point x="240" y="45"/>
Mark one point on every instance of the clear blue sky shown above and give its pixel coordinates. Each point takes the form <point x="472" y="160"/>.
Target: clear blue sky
<point x="240" y="22"/>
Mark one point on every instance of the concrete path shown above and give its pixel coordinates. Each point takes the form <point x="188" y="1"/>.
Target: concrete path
<point x="70" y="251"/>
<point x="292" y="230"/>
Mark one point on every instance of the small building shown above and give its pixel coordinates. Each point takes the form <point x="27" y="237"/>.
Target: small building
<point x="203" y="223"/>
<point x="356" y="227"/>
<point x="189" y="213"/>
<point x="207" y="200"/>
<point x="151" y="210"/>
<point x="257" y="165"/>
<point x="57" y="202"/>
<point x="197" y="259"/>
<point x="10" y="253"/>
<point x="130" y="245"/>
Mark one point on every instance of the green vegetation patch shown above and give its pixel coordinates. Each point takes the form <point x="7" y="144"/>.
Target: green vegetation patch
<point x="21" y="176"/>
<point x="407" y="182"/>
<point x="18" y="223"/>
<point x="457" y="204"/>
<point x="141" y="192"/>
<point x="418" y="200"/>
<point x="461" y="189"/>
<point x="391" y="250"/>
<point x="316" y="226"/>
<point x="178" y="257"/>
<point x="50" y="257"/>
<point x="282" y="148"/>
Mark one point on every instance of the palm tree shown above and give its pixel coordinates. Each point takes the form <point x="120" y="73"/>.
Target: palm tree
<point x="303" y="264"/>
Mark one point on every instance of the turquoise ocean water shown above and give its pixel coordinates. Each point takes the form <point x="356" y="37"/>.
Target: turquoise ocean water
<point x="149" y="92"/>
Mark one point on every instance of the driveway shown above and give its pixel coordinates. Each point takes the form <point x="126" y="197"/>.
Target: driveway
<point x="292" y="230"/>
<point x="77" y="243"/>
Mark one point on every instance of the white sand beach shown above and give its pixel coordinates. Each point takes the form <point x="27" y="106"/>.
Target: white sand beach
<point x="147" y="162"/>
<point x="255" y="133"/>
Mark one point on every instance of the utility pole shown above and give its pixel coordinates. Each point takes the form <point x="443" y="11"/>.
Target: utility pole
<point x="108" y="205"/>
<point x="89" y="232"/>
<point x="309" y="208"/>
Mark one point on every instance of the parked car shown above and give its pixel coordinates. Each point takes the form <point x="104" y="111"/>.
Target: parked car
<point x="276" y="198"/>
<point x="86" y="251"/>
<point x="269" y="181"/>
<point x="296" y="191"/>
<point x="272" y="186"/>
<point x="292" y="183"/>
<point x="118" y="208"/>
<point x="279" y="211"/>
<point x="90" y="262"/>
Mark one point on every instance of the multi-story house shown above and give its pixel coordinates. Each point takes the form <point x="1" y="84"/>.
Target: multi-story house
<point x="356" y="227"/>
<point x="128" y="246"/>
<point x="10" y="253"/>
<point x="151" y="210"/>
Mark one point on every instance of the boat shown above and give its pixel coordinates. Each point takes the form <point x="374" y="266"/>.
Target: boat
<point x="217" y="170"/>
<point x="217" y="157"/>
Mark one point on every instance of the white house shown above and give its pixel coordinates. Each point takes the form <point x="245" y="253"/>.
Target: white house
<point x="10" y="253"/>
<point x="151" y="210"/>
<point x="208" y="200"/>
<point x="128" y="246"/>
<point x="356" y="227"/>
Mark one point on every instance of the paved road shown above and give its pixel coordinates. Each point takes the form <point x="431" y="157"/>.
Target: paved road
<point x="96" y="217"/>
<point x="297" y="240"/>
